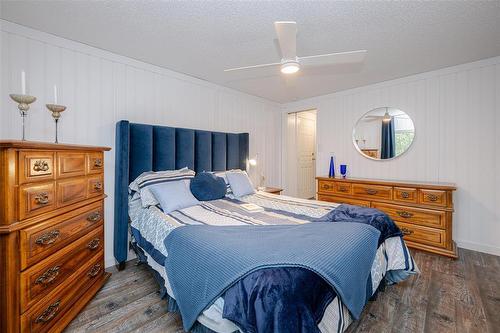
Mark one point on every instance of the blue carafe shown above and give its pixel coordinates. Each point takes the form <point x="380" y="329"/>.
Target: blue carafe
<point x="331" y="173"/>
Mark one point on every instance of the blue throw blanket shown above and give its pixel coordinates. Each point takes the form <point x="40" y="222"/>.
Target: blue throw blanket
<point x="204" y="261"/>
<point x="279" y="300"/>
<point x="285" y="299"/>
<point x="371" y="216"/>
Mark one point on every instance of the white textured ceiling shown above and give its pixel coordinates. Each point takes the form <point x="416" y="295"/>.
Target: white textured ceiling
<point x="203" y="38"/>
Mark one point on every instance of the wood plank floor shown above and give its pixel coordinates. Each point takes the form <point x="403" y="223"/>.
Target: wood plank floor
<point x="449" y="296"/>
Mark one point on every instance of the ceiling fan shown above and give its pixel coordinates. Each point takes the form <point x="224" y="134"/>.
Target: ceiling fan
<point x="290" y="63"/>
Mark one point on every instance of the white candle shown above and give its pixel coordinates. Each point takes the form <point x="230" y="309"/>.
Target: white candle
<point x="23" y="82"/>
<point x="55" y="94"/>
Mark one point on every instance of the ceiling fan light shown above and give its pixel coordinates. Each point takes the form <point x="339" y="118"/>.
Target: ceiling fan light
<point x="290" y="67"/>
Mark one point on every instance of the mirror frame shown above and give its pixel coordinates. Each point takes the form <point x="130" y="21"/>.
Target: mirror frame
<point x="380" y="159"/>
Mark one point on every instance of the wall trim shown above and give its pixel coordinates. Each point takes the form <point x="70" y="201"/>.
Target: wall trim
<point x="311" y="103"/>
<point x="494" y="250"/>
<point x="62" y="42"/>
<point x="109" y="262"/>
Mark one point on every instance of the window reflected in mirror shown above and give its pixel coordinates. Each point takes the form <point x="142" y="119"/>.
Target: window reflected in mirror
<point x="383" y="133"/>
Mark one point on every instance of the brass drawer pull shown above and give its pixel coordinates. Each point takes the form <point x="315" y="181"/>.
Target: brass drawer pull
<point x="406" y="231"/>
<point x="343" y="189"/>
<point x="41" y="165"/>
<point x="371" y="191"/>
<point x="94" y="244"/>
<point x="94" y="217"/>
<point x="326" y="186"/>
<point x="48" y="238"/>
<point x="49" y="276"/>
<point x="98" y="186"/>
<point x="98" y="163"/>
<point x="94" y="270"/>
<point x="42" y="198"/>
<point x="48" y="313"/>
<point x="405" y="195"/>
<point x="405" y="214"/>
<point x="432" y="197"/>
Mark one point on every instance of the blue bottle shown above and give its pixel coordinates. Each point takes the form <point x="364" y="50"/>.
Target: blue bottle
<point x="331" y="173"/>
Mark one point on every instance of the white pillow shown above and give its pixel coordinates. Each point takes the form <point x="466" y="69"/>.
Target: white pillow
<point x="173" y="195"/>
<point x="240" y="183"/>
<point x="222" y="174"/>
<point x="142" y="184"/>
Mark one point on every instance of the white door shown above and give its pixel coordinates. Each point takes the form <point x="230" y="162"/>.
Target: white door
<point x="306" y="150"/>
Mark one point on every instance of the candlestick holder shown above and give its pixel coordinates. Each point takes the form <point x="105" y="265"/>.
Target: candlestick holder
<point x="56" y="113"/>
<point x="23" y="105"/>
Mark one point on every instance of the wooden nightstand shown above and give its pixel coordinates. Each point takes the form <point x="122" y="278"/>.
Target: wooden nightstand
<point x="273" y="190"/>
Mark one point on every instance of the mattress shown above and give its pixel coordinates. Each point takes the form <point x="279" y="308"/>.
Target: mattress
<point x="150" y="226"/>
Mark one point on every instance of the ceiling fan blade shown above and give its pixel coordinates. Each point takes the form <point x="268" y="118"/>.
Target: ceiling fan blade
<point x="287" y="37"/>
<point x="251" y="67"/>
<point x="334" y="58"/>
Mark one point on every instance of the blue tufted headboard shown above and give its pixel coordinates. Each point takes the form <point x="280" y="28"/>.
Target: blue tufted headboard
<point x="141" y="147"/>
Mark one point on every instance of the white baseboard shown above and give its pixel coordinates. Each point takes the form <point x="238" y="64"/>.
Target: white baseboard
<point x="110" y="262"/>
<point x="479" y="247"/>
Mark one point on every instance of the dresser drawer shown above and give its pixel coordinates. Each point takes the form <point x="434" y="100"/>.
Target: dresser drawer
<point x="36" y="166"/>
<point x="40" y="279"/>
<point x="95" y="186"/>
<point x="419" y="216"/>
<point x="40" y="241"/>
<point x="71" y="164"/>
<point x="423" y="235"/>
<point x="433" y="197"/>
<point x="35" y="199"/>
<point x="342" y="188"/>
<point x="95" y="163"/>
<point x="42" y="316"/>
<point x="405" y="194"/>
<point x="344" y="200"/>
<point x="326" y="186"/>
<point x="372" y="191"/>
<point x="71" y="190"/>
<point x="335" y="187"/>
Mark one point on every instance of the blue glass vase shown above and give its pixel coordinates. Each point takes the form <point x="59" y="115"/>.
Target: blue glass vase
<point x="343" y="170"/>
<point x="331" y="173"/>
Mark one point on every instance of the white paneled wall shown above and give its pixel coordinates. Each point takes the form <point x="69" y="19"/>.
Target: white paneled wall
<point x="456" y="112"/>
<point x="101" y="88"/>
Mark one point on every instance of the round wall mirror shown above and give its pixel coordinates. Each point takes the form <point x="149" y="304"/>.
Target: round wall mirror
<point x="383" y="133"/>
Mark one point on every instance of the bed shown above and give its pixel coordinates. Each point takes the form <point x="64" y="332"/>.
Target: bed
<point x="143" y="148"/>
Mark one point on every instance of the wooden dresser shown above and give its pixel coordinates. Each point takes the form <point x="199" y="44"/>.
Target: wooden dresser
<point x="423" y="211"/>
<point x="51" y="233"/>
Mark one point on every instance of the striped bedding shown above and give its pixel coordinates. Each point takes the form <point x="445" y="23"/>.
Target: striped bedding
<point x="150" y="226"/>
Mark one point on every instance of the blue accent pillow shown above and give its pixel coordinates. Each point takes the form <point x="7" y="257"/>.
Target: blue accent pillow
<point x="240" y="183"/>
<point x="173" y="195"/>
<point x="222" y="174"/>
<point x="207" y="186"/>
